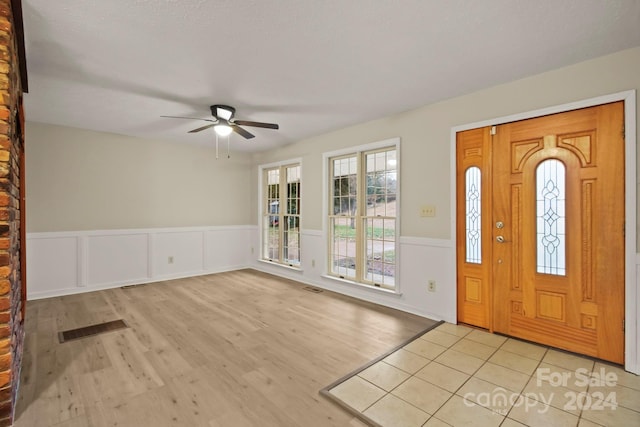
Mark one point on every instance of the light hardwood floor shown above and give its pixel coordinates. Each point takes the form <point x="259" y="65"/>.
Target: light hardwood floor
<point x="237" y="349"/>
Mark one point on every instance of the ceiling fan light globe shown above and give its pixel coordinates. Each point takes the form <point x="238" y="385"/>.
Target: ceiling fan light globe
<point x="223" y="130"/>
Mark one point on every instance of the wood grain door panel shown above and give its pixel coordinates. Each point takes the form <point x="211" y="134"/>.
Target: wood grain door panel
<point x="582" y="308"/>
<point x="473" y="282"/>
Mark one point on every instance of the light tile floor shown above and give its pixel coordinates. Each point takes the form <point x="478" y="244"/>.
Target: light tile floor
<point x="457" y="376"/>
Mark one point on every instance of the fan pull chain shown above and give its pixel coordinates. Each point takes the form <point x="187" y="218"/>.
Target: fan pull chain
<point x="228" y="150"/>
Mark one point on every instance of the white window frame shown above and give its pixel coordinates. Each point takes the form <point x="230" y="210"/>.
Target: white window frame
<point x="261" y="212"/>
<point x="392" y="143"/>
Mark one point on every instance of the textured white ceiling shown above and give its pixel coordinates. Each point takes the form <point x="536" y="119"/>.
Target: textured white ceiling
<point x="310" y="65"/>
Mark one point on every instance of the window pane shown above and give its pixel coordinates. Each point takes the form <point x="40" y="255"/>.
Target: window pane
<point x="473" y="185"/>
<point x="381" y="183"/>
<point x="291" y="240"/>
<point x="343" y="247"/>
<point x="380" y="258"/>
<point x="273" y="191"/>
<point x="345" y="186"/>
<point x="271" y="238"/>
<point x="273" y="176"/>
<point x="550" y="223"/>
<point x="293" y="190"/>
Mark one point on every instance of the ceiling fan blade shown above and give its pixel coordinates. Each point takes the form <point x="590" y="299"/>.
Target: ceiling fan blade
<point x="237" y="129"/>
<point x="257" y="124"/>
<point x="189" y="118"/>
<point x="202" y="128"/>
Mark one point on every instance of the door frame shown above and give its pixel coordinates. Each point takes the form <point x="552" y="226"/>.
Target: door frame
<point x="632" y="258"/>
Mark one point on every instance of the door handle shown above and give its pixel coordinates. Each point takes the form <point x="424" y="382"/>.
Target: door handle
<point x="500" y="239"/>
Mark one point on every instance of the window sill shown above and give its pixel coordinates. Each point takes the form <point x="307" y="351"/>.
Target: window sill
<point x="277" y="264"/>
<point x="391" y="292"/>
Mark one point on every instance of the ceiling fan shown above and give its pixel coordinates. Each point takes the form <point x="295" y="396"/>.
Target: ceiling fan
<point x="224" y="123"/>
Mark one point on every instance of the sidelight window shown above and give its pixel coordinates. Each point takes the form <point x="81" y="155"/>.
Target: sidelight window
<point x="550" y="221"/>
<point x="473" y="232"/>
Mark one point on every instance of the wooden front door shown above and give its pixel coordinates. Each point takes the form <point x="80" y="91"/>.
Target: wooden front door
<point x="555" y="242"/>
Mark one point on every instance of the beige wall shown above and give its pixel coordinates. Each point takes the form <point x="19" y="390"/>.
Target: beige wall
<point x="85" y="180"/>
<point x="426" y="134"/>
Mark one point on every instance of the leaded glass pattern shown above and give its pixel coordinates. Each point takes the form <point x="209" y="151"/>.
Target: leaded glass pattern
<point x="473" y="232"/>
<point x="551" y="217"/>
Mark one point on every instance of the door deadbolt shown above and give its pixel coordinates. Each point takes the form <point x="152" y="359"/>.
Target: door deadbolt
<point x="499" y="225"/>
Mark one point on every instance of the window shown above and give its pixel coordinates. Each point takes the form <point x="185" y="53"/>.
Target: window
<point x="363" y="216"/>
<point x="281" y="215"/>
<point x="473" y="232"/>
<point x="550" y="222"/>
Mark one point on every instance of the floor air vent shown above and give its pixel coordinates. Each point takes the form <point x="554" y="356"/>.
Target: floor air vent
<point x="133" y="286"/>
<point x="87" y="331"/>
<point x="312" y="289"/>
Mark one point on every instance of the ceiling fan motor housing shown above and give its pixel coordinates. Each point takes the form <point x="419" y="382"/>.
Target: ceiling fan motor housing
<point x="224" y="117"/>
<point x="218" y="114"/>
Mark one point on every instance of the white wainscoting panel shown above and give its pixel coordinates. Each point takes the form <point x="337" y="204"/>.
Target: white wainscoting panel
<point x="632" y="324"/>
<point x="114" y="259"/>
<point x="53" y="264"/>
<point x="178" y="253"/>
<point x="230" y="247"/>
<point x="421" y="259"/>
<point x="62" y="263"/>
<point x="426" y="259"/>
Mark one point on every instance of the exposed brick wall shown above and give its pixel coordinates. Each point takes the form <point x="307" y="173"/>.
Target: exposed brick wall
<point x="11" y="149"/>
